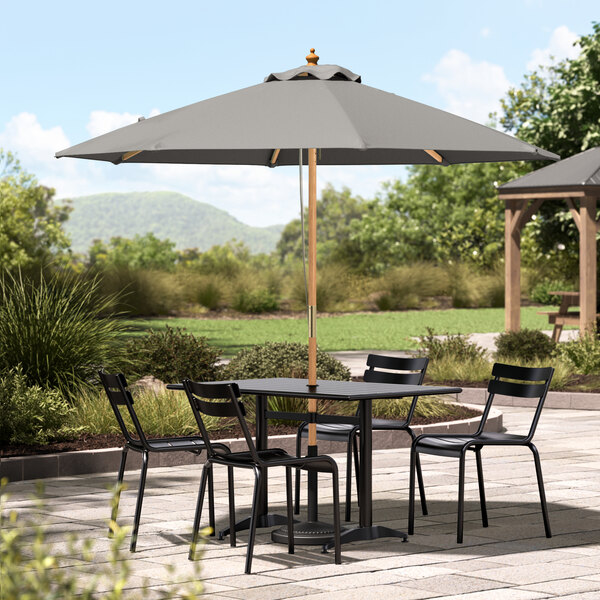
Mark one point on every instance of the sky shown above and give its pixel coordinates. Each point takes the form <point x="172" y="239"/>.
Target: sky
<point x="74" y="70"/>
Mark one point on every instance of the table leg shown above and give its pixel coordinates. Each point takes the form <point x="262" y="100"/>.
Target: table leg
<point x="366" y="530"/>
<point x="264" y="519"/>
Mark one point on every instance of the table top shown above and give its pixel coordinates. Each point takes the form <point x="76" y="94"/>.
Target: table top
<point x="332" y="390"/>
<point x="565" y="294"/>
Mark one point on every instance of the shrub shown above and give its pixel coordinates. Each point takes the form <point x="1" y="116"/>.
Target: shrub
<point x="405" y="287"/>
<point x="540" y="292"/>
<point x="173" y="355"/>
<point x="282" y="359"/>
<point x="526" y="344"/>
<point x="30" y="413"/>
<point x="161" y="414"/>
<point x="333" y="288"/>
<point x="453" y="346"/>
<point x="470" y="289"/>
<point x="583" y="354"/>
<point x="142" y="292"/>
<point x="205" y="290"/>
<point x="33" y="569"/>
<point x="255" y="301"/>
<point x="59" y="329"/>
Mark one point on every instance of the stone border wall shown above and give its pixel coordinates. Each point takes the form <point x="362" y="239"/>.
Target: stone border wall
<point x="567" y="400"/>
<point x="106" y="460"/>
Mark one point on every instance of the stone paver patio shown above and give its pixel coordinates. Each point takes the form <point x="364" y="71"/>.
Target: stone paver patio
<point x="509" y="560"/>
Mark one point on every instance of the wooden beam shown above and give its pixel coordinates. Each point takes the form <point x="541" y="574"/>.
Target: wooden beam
<point x="512" y="265"/>
<point x="435" y="155"/>
<point x="529" y="212"/>
<point x="129" y="155"/>
<point x="587" y="265"/>
<point x="574" y="213"/>
<point x="548" y="194"/>
<point x="275" y="155"/>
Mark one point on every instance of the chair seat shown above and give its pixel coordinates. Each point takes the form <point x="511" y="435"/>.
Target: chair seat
<point x="441" y="445"/>
<point x="192" y="444"/>
<point x="331" y="431"/>
<point x="388" y="424"/>
<point x="278" y="457"/>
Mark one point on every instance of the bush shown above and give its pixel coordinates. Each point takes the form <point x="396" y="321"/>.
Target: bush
<point x="255" y="301"/>
<point x="32" y="568"/>
<point x="333" y="288"/>
<point x="205" y="290"/>
<point x="405" y="287"/>
<point x="30" y="413"/>
<point x="59" y="329"/>
<point x="173" y="355"/>
<point x="583" y="354"/>
<point x="470" y="289"/>
<point x="282" y="359"/>
<point x="161" y="414"/>
<point x="526" y="344"/>
<point x="453" y="346"/>
<point x="540" y="294"/>
<point x="142" y="292"/>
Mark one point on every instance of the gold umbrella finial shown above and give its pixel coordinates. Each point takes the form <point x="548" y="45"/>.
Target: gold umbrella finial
<point x="312" y="58"/>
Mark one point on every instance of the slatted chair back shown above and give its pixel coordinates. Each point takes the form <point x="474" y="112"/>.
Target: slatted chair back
<point x="524" y="382"/>
<point x="120" y="398"/>
<point x="230" y="407"/>
<point x="406" y="370"/>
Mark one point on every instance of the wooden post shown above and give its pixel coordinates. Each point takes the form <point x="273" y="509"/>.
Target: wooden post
<point x="512" y="265"/>
<point x="587" y="264"/>
<point x="312" y="286"/>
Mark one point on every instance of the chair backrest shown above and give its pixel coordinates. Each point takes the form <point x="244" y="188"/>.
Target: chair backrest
<point x="525" y="382"/>
<point x="406" y="370"/>
<point x="230" y="407"/>
<point x="119" y="396"/>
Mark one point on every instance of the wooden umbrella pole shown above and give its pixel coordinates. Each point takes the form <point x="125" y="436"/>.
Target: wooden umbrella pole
<point x="312" y="286"/>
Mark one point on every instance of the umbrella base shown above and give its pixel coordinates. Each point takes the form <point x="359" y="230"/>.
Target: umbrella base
<point x="308" y="533"/>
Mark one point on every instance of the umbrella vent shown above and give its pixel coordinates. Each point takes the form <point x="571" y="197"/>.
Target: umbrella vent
<point x="314" y="71"/>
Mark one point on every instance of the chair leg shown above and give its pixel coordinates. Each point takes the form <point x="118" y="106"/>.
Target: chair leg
<point x="231" y="489"/>
<point x="348" y="479"/>
<point x="421" y="485"/>
<point x="200" y="501"/>
<point x="115" y="508"/>
<point x="538" y="472"/>
<point x="411" y="492"/>
<point x="356" y="466"/>
<point x="461" y="499"/>
<point x="140" y="499"/>
<point x="290" y="511"/>
<point x="484" y="517"/>
<point x="298" y="472"/>
<point x="253" y="518"/>
<point x="211" y="501"/>
<point x="336" y="519"/>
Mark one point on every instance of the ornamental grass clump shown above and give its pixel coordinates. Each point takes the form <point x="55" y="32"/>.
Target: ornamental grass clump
<point x="59" y="329"/>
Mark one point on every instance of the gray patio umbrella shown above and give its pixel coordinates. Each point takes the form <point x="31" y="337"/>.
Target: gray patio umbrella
<point x="325" y="112"/>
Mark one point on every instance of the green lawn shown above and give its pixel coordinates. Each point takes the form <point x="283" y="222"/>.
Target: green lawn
<point x="375" y="331"/>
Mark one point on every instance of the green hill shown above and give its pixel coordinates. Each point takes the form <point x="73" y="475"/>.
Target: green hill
<point x="188" y="223"/>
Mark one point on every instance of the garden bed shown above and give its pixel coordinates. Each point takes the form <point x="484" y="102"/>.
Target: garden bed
<point x="114" y="440"/>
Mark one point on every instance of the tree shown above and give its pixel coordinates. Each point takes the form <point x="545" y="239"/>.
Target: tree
<point x="141" y="252"/>
<point x="30" y="223"/>
<point x="558" y="108"/>
<point x="335" y="213"/>
<point x="440" y="214"/>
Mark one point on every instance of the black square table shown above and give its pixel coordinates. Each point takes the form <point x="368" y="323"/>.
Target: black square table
<point x="363" y="392"/>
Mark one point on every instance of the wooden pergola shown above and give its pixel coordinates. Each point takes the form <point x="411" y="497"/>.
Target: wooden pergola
<point x="575" y="180"/>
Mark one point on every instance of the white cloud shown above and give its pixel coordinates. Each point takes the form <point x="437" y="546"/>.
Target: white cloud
<point x="103" y="121"/>
<point x="559" y="47"/>
<point x="255" y="195"/>
<point x="470" y="89"/>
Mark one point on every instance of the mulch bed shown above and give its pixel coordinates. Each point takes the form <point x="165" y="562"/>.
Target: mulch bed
<point x="115" y="440"/>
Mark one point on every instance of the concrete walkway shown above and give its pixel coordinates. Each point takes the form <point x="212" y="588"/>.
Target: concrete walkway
<point x="511" y="559"/>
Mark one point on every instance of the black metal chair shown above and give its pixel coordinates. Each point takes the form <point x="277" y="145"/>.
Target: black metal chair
<point x="119" y="397"/>
<point x="257" y="460"/>
<point x="521" y="385"/>
<point x="406" y="371"/>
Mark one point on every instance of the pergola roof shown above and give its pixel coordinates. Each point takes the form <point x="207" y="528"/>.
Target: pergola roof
<point x="580" y="172"/>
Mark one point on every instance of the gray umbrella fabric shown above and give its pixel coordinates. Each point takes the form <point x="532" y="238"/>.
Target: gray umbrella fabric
<point x="314" y="106"/>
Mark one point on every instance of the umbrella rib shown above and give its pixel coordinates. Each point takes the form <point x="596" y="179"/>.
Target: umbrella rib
<point x="435" y="155"/>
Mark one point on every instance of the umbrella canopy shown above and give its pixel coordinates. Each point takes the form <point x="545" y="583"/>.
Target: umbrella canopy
<point x="314" y="106"/>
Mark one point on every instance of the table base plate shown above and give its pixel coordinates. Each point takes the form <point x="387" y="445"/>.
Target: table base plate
<point x="359" y="534"/>
<point x="309" y="533"/>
